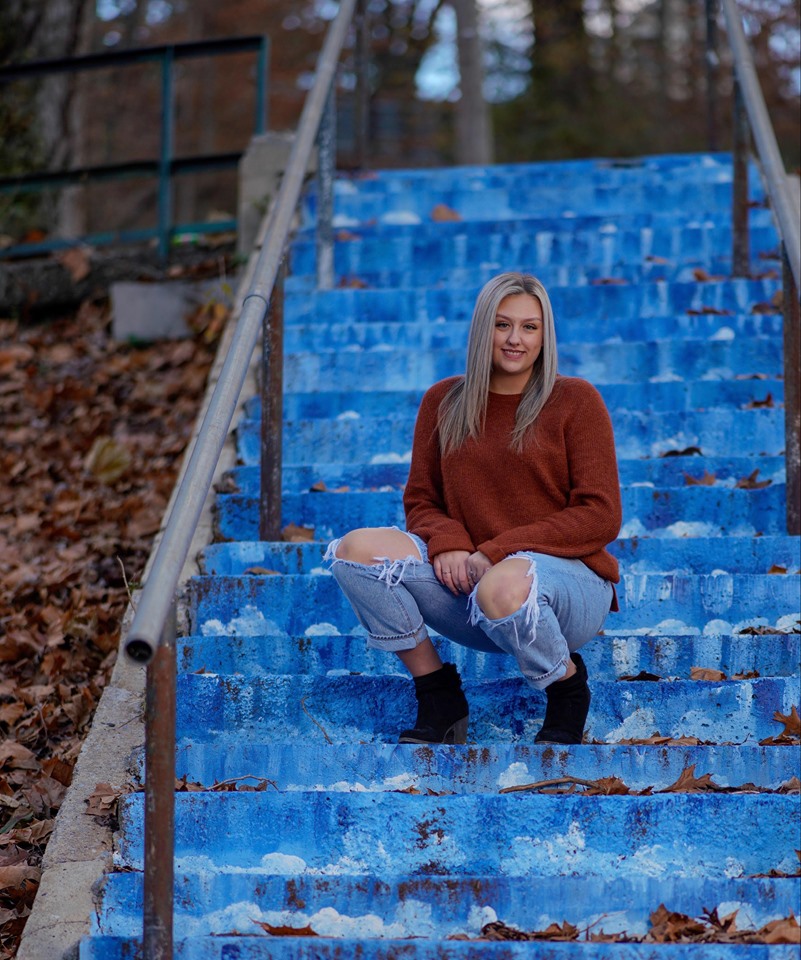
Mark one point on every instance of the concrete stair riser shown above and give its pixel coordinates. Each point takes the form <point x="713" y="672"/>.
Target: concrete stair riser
<point x="364" y="709"/>
<point x="717" y="433"/>
<point x="599" y="362"/>
<point x="436" y="907"/>
<point x="479" y="770"/>
<point x="639" y="555"/>
<point x="521" y="835"/>
<point x="667" y="471"/>
<point x="667" y="396"/>
<point x="607" y="658"/>
<point x="713" y="510"/>
<point x="599" y="306"/>
<point x="608" y="242"/>
<point x="257" y="604"/>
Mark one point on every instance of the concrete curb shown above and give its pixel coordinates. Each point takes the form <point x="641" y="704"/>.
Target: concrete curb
<point x="81" y="848"/>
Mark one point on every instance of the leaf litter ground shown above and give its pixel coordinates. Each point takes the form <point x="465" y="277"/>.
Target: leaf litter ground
<point x="93" y="432"/>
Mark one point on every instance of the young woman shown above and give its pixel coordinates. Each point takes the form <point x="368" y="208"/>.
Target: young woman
<point x="512" y="497"/>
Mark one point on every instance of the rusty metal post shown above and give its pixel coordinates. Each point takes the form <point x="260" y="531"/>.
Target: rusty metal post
<point x="326" y="160"/>
<point x="792" y="396"/>
<point x="740" y="255"/>
<point x="157" y="936"/>
<point x="362" y="68"/>
<point x="272" y="412"/>
<point x="712" y="64"/>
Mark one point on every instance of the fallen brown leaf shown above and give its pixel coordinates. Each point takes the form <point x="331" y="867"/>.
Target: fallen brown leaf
<point x="759" y="404"/>
<point x="686" y="452"/>
<point x="442" y="213"/>
<point x="705" y="673"/>
<point x="689" y="783"/>
<point x="707" y="479"/>
<point x="751" y="483"/>
<point x="286" y="931"/>
<point x="292" y="533"/>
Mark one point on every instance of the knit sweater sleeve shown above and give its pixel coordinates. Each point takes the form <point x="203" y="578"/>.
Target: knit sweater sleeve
<point x="592" y="515"/>
<point x="423" y="497"/>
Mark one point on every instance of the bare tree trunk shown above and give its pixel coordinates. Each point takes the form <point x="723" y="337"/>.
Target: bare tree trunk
<point x="474" y="140"/>
<point x="62" y="29"/>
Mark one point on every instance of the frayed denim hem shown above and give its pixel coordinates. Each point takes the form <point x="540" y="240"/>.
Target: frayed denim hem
<point x="392" y="571"/>
<point x="527" y="616"/>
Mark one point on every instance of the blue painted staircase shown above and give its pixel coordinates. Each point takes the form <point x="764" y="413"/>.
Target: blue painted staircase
<point x="338" y="842"/>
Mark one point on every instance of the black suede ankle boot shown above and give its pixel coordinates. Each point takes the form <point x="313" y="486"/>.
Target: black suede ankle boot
<point x="442" y="710"/>
<point x="568" y="706"/>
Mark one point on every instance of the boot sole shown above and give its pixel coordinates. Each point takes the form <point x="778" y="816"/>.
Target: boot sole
<point x="457" y="733"/>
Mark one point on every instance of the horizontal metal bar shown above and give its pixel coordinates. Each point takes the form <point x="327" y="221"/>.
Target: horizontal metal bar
<point x="118" y="171"/>
<point x="115" y="236"/>
<point x="154" y="603"/>
<point x="765" y="140"/>
<point x="123" y="58"/>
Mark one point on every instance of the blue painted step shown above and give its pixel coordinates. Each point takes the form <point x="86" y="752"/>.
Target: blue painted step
<point x="717" y="510"/>
<point x="521" y="835"/>
<point x="337" y="906"/>
<point x="362" y="709"/>
<point x="347" y="767"/>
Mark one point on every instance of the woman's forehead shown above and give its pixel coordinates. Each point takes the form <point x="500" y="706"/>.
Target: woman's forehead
<point x="520" y="306"/>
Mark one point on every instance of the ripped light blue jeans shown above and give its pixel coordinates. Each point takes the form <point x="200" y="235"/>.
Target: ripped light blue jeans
<point x="395" y="602"/>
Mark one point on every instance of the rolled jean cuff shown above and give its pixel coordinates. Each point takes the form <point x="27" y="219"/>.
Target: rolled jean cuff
<point x="406" y="641"/>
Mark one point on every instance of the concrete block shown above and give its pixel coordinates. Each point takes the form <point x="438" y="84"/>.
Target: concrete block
<point x="260" y="171"/>
<point x="161" y="311"/>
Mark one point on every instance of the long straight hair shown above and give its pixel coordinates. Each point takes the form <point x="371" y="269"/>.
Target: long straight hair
<point x="464" y="408"/>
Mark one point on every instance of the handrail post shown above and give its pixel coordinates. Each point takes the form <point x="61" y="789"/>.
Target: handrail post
<point x="262" y="66"/>
<point x="326" y="159"/>
<point x="157" y="929"/>
<point x="165" y="160"/>
<point x="362" y="67"/>
<point x="792" y="395"/>
<point x="741" y="256"/>
<point x="272" y="412"/>
<point x="712" y="63"/>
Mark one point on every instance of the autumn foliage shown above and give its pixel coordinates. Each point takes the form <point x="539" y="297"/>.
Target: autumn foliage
<point x="93" y="432"/>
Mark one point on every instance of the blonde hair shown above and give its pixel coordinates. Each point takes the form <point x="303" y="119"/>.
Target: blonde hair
<point x="464" y="408"/>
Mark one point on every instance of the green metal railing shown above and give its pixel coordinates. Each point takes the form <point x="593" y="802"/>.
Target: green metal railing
<point x="166" y="166"/>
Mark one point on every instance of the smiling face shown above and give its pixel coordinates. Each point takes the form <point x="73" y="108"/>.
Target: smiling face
<point x="516" y="342"/>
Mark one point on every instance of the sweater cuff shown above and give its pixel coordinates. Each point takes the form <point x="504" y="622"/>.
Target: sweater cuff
<point x="444" y="543"/>
<point x="492" y="551"/>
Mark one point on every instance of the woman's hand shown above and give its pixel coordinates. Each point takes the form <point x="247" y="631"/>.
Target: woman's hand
<point x="451" y="571"/>
<point x="477" y="566"/>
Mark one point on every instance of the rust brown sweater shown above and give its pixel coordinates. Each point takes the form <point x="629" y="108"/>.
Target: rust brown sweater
<point x="560" y="496"/>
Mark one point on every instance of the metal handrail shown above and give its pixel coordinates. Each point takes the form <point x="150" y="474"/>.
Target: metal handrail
<point x="154" y="603"/>
<point x="764" y="138"/>
<point x="749" y="111"/>
<point x="151" y="638"/>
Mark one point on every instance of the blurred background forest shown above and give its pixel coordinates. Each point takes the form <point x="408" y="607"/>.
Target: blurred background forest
<point x="539" y="79"/>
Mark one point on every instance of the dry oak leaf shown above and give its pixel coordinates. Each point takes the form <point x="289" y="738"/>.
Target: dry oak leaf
<point x="107" y="460"/>
<point x="670" y="927"/>
<point x="689" y="783"/>
<point x="76" y="261"/>
<point x="751" y="483"/>
<point x="757" y="404"/>
<point x="293" y="533"/>
<point x="261" y="572"/>
<point x="785" y="930"/>
<point x="705" y="673"/>
<point x="286" y="931"/>
<point x="686" y="452"/>
<point x="20" y="873"/>
<point x="707" y="479"/>
<point x="101" y="802"/>
<point x="776" y="568"/>
<point x="442" y="213"/>
<point x="792" y="723"/>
